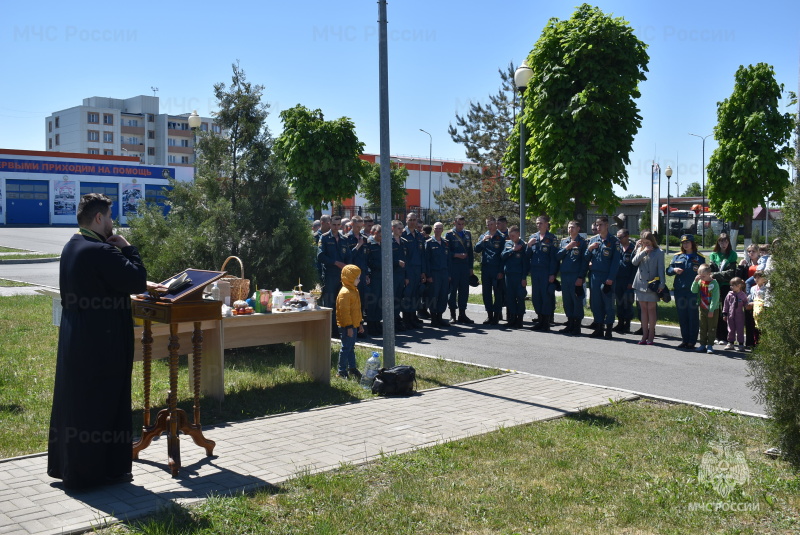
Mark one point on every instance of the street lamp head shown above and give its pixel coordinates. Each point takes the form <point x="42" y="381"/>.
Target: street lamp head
<point x="522" y="76"/>
<point x="194" y="120"/>
<point x="668" y="172"/>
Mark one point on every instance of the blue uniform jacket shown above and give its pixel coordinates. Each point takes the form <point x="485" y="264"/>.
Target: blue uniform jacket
<point x="604" y="259"/>
<point x="627" y="271"/>
<point x="438" y="254"/>
<point x="573" y="261"/>
<point x="515" y="262"/>
<point x="358" y="256"/>
<point x="398" y="253"/>
<point x="329" y="252"/>
<point x="415" y="250"/>
<point x="460" y="245"/>
<point x="374" y="257"/>
<point x="542" y="254"/>
<point x="689" y="262"/>
<point x="491" y="261"/>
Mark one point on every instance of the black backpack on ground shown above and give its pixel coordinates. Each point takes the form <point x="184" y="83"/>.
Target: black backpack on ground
<point x="395" y="381"/>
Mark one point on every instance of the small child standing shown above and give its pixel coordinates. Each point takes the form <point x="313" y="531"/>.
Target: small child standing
<point x="756" y="301"/>
<point x="733" y="313"/>
<point x="708" y="292"/>
<point x="348" y="318"/>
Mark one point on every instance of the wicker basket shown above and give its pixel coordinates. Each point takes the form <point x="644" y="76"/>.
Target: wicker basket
<point x="240" y="287"/>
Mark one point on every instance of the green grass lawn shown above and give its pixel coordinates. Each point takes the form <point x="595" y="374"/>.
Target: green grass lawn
<point x="258" y="381"/>
<point x="12" y="284"/>
<point x="11" y="250"/>
<point x="627" y="468"/>
<point x="28" y="256"/>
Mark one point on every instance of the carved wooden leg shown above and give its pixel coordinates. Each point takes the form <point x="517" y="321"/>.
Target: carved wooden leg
<point x="173" y="441"/>
<point x="147" y="357"/>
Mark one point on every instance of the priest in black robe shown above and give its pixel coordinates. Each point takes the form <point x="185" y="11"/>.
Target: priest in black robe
<point x="90" y="439"/>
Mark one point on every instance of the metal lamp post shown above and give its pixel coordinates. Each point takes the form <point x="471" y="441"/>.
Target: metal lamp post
<point x="430" y="173"/>
<point x="194" y="124"/>
<point x="703" y="206"/>
<point x="668" y="172"/>
<point x="522" y="76"/>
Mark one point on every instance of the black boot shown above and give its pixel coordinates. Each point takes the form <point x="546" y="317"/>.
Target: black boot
<point x="547" y="319"/>
<point x="569" y="327"/>
<point x="620" y="325"/>
<point x="489" y="318"/>
<point x="424" y="314"/>
<point x="520" y="321"/>
<point x="496" y="318"/>
<point x="637" y="331"/>
<point x="453" y="315"/>
<point x="608" y="331"/>
<point x="597" y="332"/>
<point x="416" y="321"/>
<point x="538" y="325"/>
<point x="398" y="324"/>
<point x="576" y="327"/>
<point x="462" y="317"/>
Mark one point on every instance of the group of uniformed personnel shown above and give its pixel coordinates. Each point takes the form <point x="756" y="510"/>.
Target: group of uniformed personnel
<point x="432" y="272"/>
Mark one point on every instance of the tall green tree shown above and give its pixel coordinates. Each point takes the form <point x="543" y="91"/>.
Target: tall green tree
<point x="370" y="186"/>
<point x="580" y="114"/>
<point x="484" y="189"/>
<point x="252" y="216"/>
<point x="321" y="157"/>
<point x="753" y="143"/>
<point x="693" y="190"/>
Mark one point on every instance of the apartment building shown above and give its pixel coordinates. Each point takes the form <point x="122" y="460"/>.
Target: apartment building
<point x="104" y="126"/>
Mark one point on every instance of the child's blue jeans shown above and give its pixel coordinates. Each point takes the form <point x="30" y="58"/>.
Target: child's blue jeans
<point x="347" y="353"/>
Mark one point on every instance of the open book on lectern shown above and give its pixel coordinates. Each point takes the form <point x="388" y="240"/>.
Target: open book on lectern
<point x="188" y="285"/>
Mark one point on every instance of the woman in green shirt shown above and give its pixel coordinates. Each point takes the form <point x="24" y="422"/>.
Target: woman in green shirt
<point x="724" y="258"/>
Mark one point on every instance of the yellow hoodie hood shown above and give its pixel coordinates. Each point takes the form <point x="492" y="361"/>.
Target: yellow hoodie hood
<point x="349" y="275"/>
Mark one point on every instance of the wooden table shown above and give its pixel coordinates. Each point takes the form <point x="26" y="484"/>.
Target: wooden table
<point x="310" y="330"/>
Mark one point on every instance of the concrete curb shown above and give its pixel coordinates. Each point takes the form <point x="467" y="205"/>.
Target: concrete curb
<point x="30" y="260"/>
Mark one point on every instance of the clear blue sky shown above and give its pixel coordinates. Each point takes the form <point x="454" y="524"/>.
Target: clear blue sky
<point x="325" y="55"/>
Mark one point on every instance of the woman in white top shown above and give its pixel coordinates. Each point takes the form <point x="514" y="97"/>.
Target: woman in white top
<point x="650" y="260"/>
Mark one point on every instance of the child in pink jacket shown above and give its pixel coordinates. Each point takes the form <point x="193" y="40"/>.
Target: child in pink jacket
<point x="733" y="313"/>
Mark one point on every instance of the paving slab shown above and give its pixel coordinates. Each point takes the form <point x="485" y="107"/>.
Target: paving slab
<point x="267" y="451"/>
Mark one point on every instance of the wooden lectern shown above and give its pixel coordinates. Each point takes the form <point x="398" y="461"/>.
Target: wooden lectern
<point x="182" y="306"/>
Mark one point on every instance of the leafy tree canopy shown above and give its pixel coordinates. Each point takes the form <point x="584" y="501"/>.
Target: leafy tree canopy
<point x="753" y="143"/>
<point x="693" y="190"/>
<point x="321" y="156"/>
<point x="580" y="114"/>
<point x="370" y="186"/>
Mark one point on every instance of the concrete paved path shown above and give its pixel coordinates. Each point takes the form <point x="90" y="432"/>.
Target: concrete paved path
<point x="270" y="450"/>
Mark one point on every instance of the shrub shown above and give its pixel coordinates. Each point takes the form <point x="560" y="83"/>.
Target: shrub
<point x="776" y="363"/>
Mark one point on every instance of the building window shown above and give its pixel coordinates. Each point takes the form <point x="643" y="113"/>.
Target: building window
<point x="151" y="134"/>
<point x="150" y="118"/>
<point x="184" y="159"/>
<point x="94" y="151"/>
<point x="58" y="137"/>
<point x="108" y="152"/>
<point x="49" y="126"/>
<point x="171" y="142"/>
<point x="172" y="159"/>
<point x="50" y="143"/>
<point x="204" y="127"/>
<point x="132" y="141"/>
<point x="184" y="142"/>
<point x="108" y="137"/>
<point x="58" y="120"/>
<point x="108" y="118"/>
<point x="151" y="151"/>
<point x="133" y="122"/>
<point x="216" y="129"/>
<point x="94" y="135"/>
<point x="93" y="117"/>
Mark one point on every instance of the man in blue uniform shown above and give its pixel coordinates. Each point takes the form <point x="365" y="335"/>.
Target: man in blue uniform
<point x="333" y="254"/>
<point x="573" y="272"/>
<point x="623" y="284"/>
<point x="461" y="261"/>
<point x="437" y="251"/>
<point x="324" y="226"/>
<point x="602" y="254"/>
<point x="684" y="267"/>
<point x="490" y="246"/>
<point x="515" y="269"/>
<point x="358" y="257"/>
<point x="502" y="226"/>
<point x="399" y="278"/>
<point x="374" y="278"/>
<point x="541" y="252"/>
<point x="415" y="271"/>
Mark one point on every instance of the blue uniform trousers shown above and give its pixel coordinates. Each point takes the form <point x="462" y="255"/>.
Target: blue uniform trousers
<point x="437" y="291"/>
<point x="515" y="294"/>
<point x="398" y="281"/>
<point x="411" y="293"/>
<point x="573" y="305"/>
<point x="688" y="315"/>
<point x="602" y="303"/>
<point x="543" y="293"/>
<point x="459" y="286"/>
<point x="374" y="292"/>
<point x="625" y="298"/>
<point x="492" y="288"/>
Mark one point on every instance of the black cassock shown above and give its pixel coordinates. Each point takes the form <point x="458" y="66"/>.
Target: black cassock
<point x="90" y="424"/>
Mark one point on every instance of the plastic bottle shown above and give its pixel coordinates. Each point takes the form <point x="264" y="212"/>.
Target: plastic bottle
<point x="370" y="370"/>
<point x="215" y="292"/>
<point x="277" y="299"/>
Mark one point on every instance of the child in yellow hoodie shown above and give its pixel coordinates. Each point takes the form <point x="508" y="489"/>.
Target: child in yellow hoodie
<point x="348" y="318"/>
